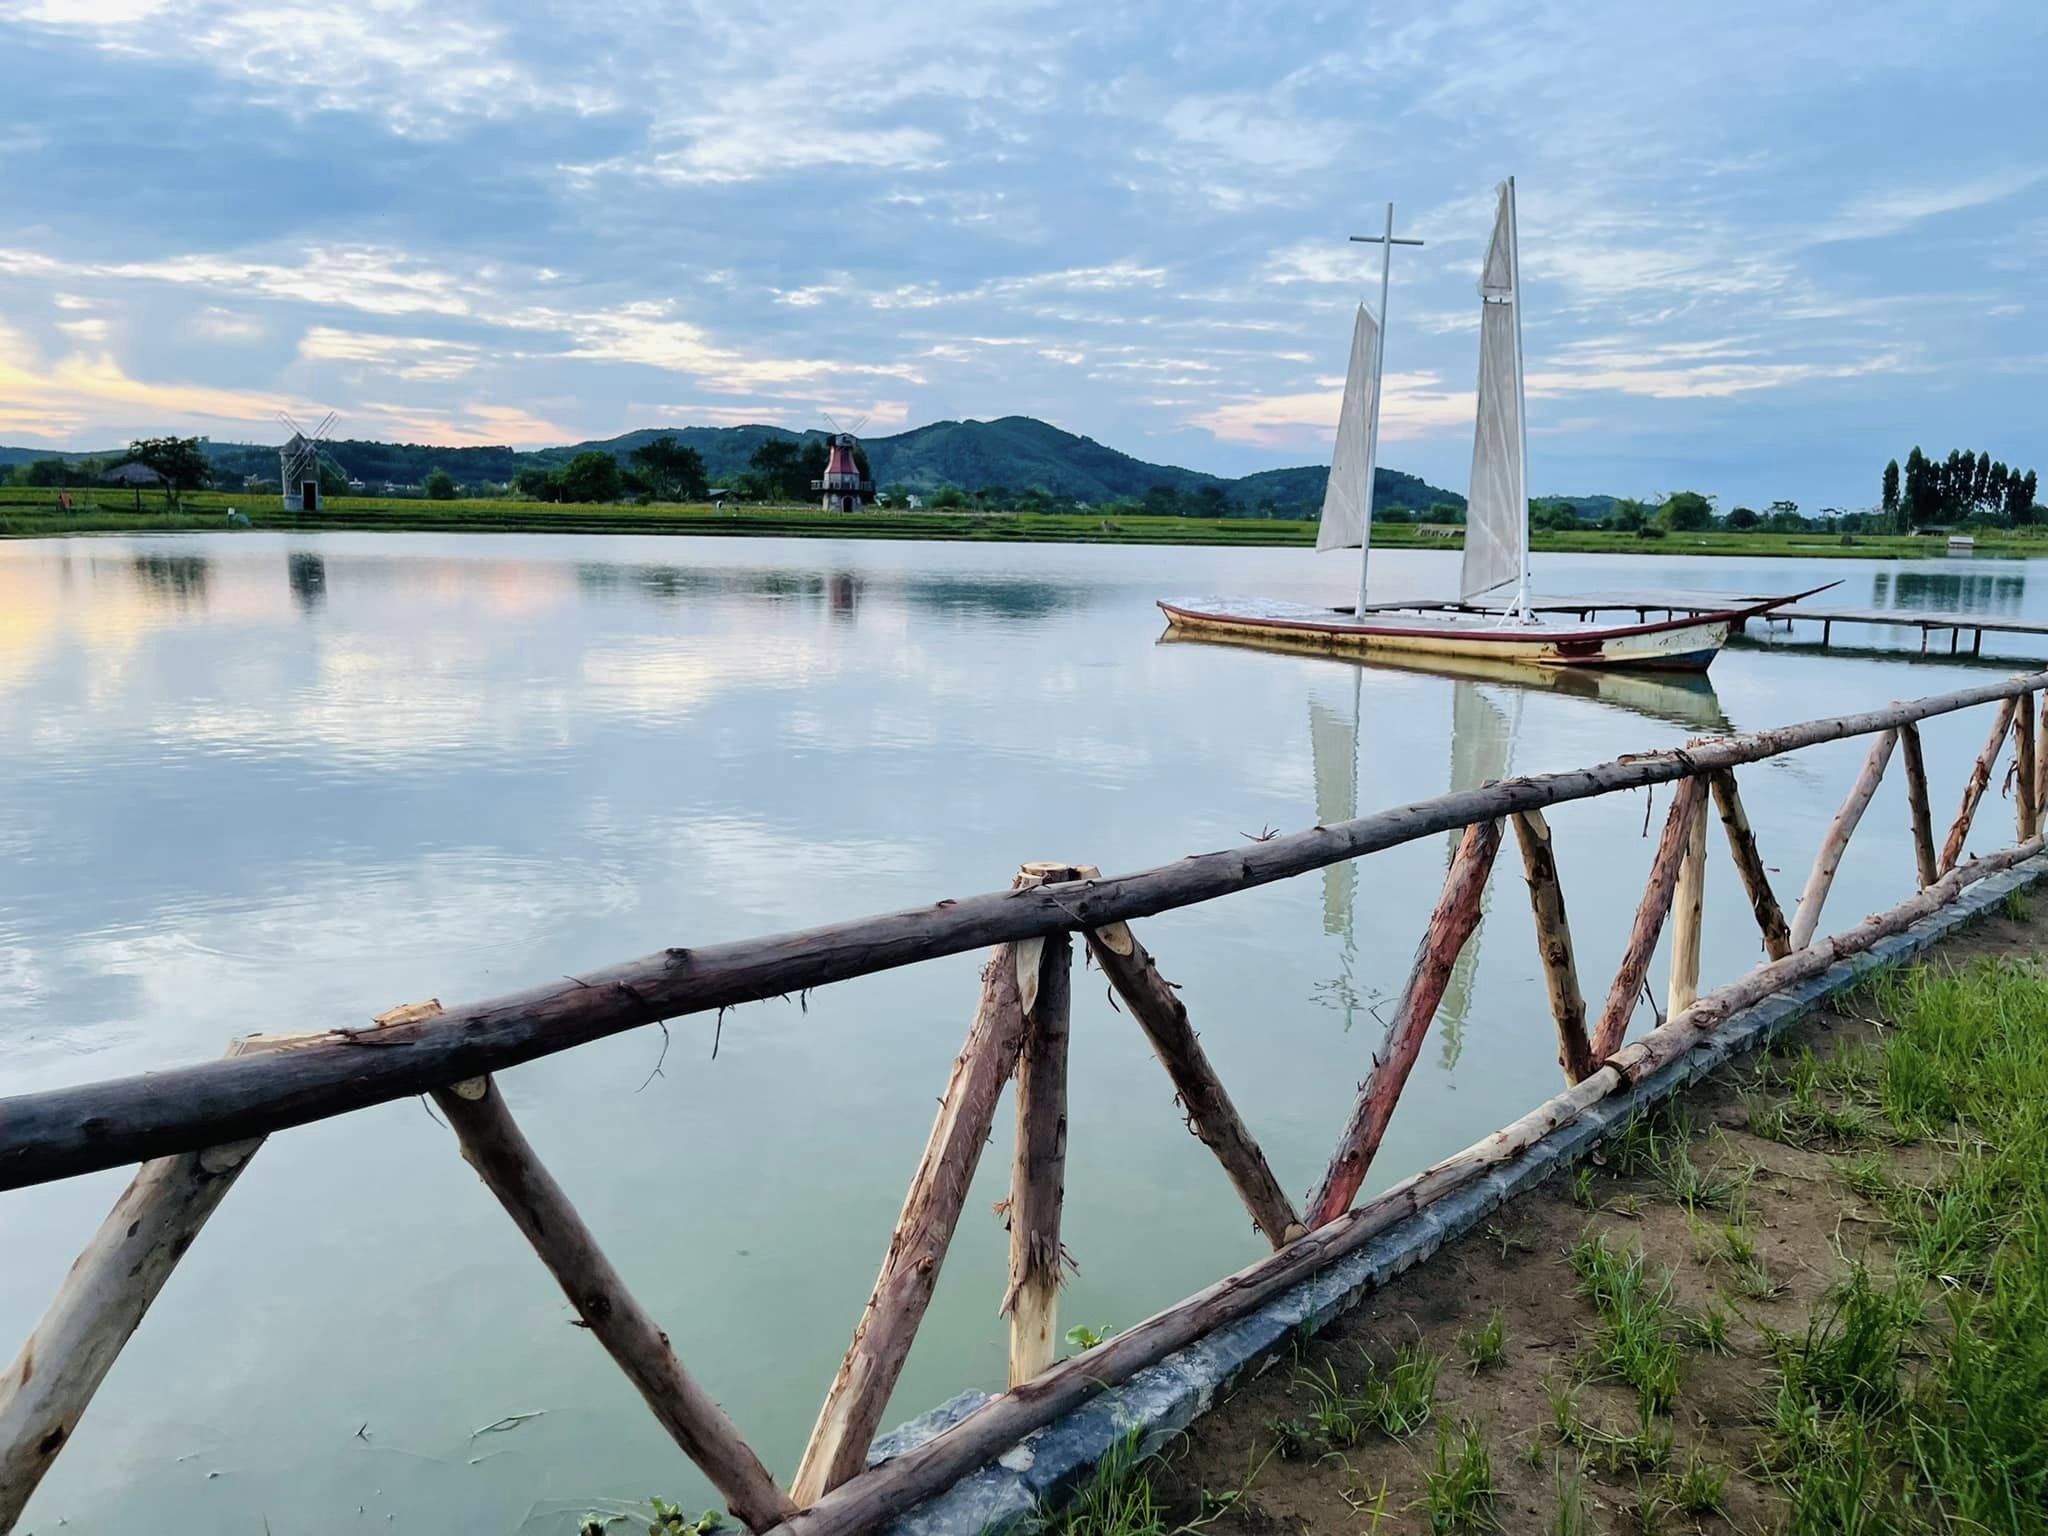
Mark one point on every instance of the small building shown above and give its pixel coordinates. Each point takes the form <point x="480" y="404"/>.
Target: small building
<point x="842" y="485"/>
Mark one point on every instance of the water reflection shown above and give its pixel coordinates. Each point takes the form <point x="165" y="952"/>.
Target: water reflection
<point x="995" y="596"/>
<point x="307" y="573"/>
<point x="2003" y="592"/>
<point x="179" y="580"/>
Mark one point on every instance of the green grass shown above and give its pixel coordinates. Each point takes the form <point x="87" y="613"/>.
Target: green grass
<point x="1458" y="1489"/>
<point x="1918" y="1400"/>
<point x="1637" y="1340"/>
<point x="1487" y="1346"/>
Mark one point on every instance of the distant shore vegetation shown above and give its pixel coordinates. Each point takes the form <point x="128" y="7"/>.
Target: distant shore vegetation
<point x="661" y="482"/>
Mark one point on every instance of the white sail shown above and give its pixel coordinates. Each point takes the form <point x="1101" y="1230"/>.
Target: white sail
<point x="1344" y="499"/>
<point x="1333" y="745"/>
<point x="1496" y="508"/>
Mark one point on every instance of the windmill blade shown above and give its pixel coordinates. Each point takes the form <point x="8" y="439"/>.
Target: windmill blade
<point x="854" y="430"/>
<point x="326" y="425"/>
<point x="290" y="423"/>
<point x="830" y="422"/>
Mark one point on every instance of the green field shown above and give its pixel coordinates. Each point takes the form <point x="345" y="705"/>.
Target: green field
<point x="34" y="513"/>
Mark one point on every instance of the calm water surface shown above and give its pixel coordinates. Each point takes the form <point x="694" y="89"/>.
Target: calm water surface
<point x="266" y="783"/>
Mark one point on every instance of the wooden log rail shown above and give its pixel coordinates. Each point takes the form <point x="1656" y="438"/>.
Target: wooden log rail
<point x="197" y="1126"/>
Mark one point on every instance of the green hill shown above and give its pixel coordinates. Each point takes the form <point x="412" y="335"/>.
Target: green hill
<point x="1017" y="453"/>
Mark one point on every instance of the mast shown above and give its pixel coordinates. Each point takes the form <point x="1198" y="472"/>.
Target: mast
<point x="1521" y="603"/>
<point x="1386" y="243"/>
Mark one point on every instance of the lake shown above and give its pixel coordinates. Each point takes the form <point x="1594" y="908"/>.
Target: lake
<point x="259" y="782"/>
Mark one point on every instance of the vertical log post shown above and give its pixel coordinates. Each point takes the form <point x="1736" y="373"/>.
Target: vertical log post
<point x="2041" y="765"/>
<point x="1916" y="803"/>
<point x="103" y="1299"/>
<point x="1450" y="925"/>
<point x="498" y="1150"/>
<point x="1038" y="1173"/>
<point x="1156" y="1005"/>
<point x="1749" y="864"/>
<point x="1980" y="780"/>
<point x="1688" y="905"/>
<point x="1828" y="859"/>
<point x="917" y="1248"/>
<point x="1649" y="922"/>
<point x="2026" y="803"/>
<point x="1554" y="940"/>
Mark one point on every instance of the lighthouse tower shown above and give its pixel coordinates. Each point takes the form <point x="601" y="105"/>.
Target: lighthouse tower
<point x="842" y="486"/>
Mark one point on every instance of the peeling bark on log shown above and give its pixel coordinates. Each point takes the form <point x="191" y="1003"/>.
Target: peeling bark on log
<point x="1980" y="780"/>
<point x="498" y="1150"/>
<point x="2026" y="805"/>
<point x="1450" y="925"/>
<point x="1038" y="1174"/>
<point x="897" y="1485"/>
<point x="2041" y="765"/>
<point x="1916" y="803"/>
<point x="68" y="1131"/>
<point x="1554" y="941"/>
<point x="1749" y="864"/>
<point x="1688" y="904"/>
<point x="917" y="1248"/>
<point x="1806" y="916"/>
<point x="1649" y="920"/>
<point x="1157" y="1007"/>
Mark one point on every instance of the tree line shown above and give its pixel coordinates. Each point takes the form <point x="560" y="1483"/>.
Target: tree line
<point x="1963" y="486"/>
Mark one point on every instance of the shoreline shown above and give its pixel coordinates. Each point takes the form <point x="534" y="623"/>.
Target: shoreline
<point x="206" y="512"/>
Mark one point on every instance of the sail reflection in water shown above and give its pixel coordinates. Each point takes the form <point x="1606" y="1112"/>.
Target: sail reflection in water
<point x="1487" y="700"/>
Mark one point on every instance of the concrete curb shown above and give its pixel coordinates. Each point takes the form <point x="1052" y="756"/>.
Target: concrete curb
<point x="1165" y="1398"/>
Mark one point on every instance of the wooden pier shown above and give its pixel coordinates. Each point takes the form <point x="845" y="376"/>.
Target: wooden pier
<point x="1932" y="623"/>
<point x="193" y="1128"/>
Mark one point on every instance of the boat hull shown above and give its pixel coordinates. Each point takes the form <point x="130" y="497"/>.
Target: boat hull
<point x="1682" y="644"/>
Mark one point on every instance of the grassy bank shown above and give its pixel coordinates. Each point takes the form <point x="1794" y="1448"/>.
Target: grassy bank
<point x="1811" y="1298"/>
<point x="34" y="513"/>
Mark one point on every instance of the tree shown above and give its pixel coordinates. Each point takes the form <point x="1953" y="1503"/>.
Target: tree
<point x="1211" y="501"/>
<point x="671" y="470"/>
<point x="591" y="476"/>
<point x="2023" y="505"/>
<point x="180" y="461"/>
<point x="1628" y="515"/>
<point x="439" y="485"/>
<point x="1686" y="512"/>
<point x="536" y="482"/>
<point x="1891" y="488"/>
<point x="1980" y="487"/>
<point x="780" y="463"/>
<point x="1919" y="504"/>
<point x="947" y="496"/>
<point x="1743" y="519"/>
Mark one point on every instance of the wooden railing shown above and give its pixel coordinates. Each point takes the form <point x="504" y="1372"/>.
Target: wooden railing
<point x="195" y="1128"/>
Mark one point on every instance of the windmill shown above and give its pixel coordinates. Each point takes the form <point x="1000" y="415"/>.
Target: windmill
<point x="843" y="486"/>
<point x="298" y="462"/>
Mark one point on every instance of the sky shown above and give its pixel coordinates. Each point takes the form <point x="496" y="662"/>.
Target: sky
<point x="1764" y="246"/>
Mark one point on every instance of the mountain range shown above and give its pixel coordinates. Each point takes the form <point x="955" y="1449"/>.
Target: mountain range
<point x="1015" y="452"/>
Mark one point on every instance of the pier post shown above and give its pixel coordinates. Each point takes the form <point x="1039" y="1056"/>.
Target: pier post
<point x="859" y="1394"/>
<point x="2026" y="805"/>
<point x="1155" y="1004"/>
<point x="1649" y="921"/>
<point x="1749" y="864"/>
<point x="1038" y="1172"/>
<point x="1554" y="941"/>
<point x="1916" y="802"/>
<point x="1450" y="925"/>
<point x="1806" y="916"/>
<point x="1973" y="791"/>
<point x="1688" y="902"/>
<point x="498" y="1150"/>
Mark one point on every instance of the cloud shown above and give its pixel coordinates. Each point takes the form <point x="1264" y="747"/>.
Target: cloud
<point x="406" y="357"/>
<point x="1888" y="212"/>
<point x="1414" y="405"/>
<point x="472" y="426"/>
<point x="55" y="399"/>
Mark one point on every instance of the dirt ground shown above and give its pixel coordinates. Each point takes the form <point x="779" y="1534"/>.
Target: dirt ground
<point x="1557" y="1430"/>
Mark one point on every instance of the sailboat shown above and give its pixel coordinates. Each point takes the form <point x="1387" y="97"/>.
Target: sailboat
<point x="1473" y="625"/>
